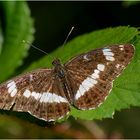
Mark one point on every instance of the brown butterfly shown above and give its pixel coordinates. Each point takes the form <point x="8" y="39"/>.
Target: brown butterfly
<point x="84" y="82"/>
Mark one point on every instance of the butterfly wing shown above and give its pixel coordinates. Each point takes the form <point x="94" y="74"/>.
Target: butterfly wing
<point x="36" y="93"/>
<point x="91" y="74"/>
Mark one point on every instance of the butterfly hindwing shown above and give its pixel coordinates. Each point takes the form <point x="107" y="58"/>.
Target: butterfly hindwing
<point x="36" y="93"/>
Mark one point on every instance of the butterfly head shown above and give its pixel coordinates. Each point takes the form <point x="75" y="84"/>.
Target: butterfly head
<point x="56" y="62"/>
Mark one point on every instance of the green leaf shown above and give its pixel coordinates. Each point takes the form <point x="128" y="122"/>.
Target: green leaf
<point x="1" y="39"/>
<point x="126" y="89"/>
<point x="18" y="26"/>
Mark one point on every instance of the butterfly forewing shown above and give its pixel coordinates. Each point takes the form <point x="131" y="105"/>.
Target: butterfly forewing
<point x="84" y="81"/>
<point x="92" y="73"/>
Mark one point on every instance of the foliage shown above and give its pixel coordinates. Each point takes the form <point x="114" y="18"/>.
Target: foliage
<point x="16" y="25"/>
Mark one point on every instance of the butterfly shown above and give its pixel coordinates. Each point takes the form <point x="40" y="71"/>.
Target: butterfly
<point x="83" y="82"/>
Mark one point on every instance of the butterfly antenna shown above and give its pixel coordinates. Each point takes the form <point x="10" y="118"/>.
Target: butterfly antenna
<point x="68" y="36"/>
<point x="37" y="48"/>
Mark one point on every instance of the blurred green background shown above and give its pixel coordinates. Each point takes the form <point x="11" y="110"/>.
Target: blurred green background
<point x="52" y="22"/>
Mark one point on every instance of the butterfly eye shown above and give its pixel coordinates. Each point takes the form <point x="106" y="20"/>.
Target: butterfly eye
<point x="56" y="62"/>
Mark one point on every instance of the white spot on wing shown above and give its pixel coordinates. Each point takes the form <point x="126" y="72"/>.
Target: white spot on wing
<point x="42" y="99"/>
<point x="89" y="82"/>
<point x="14" y="92"/>
<point x="107" y="63"/>
<point x="95" y="75"/>
<point x="45" y="97"/>
<point x="12" y="89"/>
<point x="36" y="95"/>
<point x="31" y="77"/>
<point x="10" y="84"/>
<point x="106" y="50"/>
<point x="117" y="65"/>
<point x="27" y="93"/>
<point x="85" y="57"/>
<point x="96" y="71"/>
<point x="121" y="47"/>
<point x="110" y="58"/>
<point x="101" y="67"/>
<point x="48" y="97"/>
<point x="108" y="54"/>
<point x="85" y="86"/>
<point x="80" y="92"/>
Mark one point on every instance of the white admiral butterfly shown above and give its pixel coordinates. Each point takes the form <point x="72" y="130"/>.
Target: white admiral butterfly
<point x="84" y="82"/>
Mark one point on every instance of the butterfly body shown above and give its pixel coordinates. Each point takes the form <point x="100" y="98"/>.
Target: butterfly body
<point x="83" y="82"/>
<point x="58" y="69"/>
